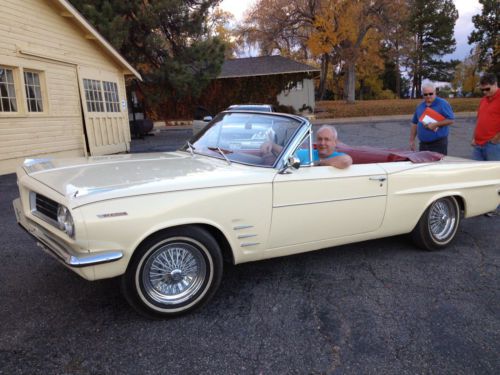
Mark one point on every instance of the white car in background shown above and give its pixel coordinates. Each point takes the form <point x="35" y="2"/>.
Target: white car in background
<point x="166" y="222"/>
<point x="198" y="124"/>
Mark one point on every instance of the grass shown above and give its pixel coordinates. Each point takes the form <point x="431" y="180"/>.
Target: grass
<point x="340" y="109"/>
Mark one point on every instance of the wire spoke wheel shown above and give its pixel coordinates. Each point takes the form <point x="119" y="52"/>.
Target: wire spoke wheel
<point x="442" y="219"/>
<point x="174" y="273"/>
<point x="438" y="225"/>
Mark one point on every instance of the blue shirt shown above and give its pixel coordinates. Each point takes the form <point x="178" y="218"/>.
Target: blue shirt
<point x="303" y="155"/>
<point x="442" y="107"/>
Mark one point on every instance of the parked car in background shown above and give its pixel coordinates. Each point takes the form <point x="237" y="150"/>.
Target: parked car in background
<point x="166" y="222"/>
<point x="202" y="117"/>
<point x="201" y="121"/>
<point x="251" y="107"/>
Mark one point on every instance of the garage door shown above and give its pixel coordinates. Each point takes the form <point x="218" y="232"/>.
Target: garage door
<point x="104" y="110"/>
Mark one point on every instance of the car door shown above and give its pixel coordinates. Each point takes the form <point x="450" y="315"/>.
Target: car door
<point x="320" y="203"/>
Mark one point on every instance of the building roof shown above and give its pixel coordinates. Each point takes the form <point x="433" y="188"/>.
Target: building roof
<point x="262" y="66"/>
<point x="93" y="34"/>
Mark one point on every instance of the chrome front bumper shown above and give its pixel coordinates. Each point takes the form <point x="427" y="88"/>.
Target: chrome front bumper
<point x="54" y="247"/>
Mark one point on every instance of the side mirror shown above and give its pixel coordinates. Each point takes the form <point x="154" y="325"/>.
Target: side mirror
<point x="293" y="162"/>
<point x="207" y="118"/>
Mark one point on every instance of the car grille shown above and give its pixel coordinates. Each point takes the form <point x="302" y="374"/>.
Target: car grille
<point x="44" y="208"/>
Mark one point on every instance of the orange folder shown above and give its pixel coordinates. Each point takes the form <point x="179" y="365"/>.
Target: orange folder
<point x="431" y="115"/>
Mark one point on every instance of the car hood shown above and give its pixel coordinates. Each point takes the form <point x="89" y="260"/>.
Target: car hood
<point x="84" y="180"/>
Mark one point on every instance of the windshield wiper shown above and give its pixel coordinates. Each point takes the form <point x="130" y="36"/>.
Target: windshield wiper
<point x="223" y="152"/>
<point x="190" y="148"/>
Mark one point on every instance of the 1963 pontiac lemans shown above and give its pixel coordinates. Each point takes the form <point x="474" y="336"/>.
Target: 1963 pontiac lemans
<point x="165" y="222"/>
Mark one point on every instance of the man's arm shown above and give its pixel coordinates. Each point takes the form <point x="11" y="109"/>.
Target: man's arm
<point x="413" y="134"/>
<point x="435" y="125"/>
<point x="270" y="147"/>
<point x="447" y="112"/>
<point x="340" y="162"/>
<point x="495" y="139"/>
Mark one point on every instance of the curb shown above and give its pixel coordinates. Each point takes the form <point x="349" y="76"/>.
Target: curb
<point x="172" y="125"/>
<point x="349" y="120"/>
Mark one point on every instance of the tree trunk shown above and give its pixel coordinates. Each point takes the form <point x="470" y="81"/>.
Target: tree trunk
<point x="325" y="60"/>
<point x="351" y="81"/>
<point x="398" y="74"/>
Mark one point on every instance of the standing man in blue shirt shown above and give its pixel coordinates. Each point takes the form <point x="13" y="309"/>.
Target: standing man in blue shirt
<point x="431" y="121"/>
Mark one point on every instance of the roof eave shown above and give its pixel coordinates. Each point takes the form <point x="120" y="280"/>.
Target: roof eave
<point x="95" y="34"/>
<point x="268" y="74"/>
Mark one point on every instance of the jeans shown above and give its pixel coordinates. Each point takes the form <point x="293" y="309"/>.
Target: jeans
<point x="488" y="151"/>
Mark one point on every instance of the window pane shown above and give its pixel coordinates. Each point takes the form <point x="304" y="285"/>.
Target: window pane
<point x="111" y="96"/>
<point x="93" y="95"/>
<point x="33" y="91"/>
<point x="4" y="90"/>
<point x="7" y="91"/>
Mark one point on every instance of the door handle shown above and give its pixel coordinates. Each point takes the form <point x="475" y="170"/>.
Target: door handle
<point x="380" y="179"/>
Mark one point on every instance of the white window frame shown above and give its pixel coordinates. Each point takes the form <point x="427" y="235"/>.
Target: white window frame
<point x="93" y="95"/>
<point x="15" y="87"/>
<point x="101" y="96"/>
<point x="40" y="94"/>
<point x="111" y="96"/>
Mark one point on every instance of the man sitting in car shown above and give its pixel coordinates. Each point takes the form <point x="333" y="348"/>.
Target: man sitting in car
<point x="324" y="154"/>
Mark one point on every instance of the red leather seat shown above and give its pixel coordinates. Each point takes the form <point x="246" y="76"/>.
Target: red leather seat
<point x="368" y="154"/>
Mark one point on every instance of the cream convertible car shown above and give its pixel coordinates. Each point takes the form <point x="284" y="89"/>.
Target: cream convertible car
<point x="165" y="222"/>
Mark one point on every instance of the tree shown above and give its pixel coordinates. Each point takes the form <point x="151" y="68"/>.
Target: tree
<point x="431" y="24"/>
<point x="219" y="27"/>
<point x="335" y="32"/>
<point x="391" y="76"/>
<point x="466" y="77"/>
<point x="486" y="35"/>
<point x="167" y="40"/>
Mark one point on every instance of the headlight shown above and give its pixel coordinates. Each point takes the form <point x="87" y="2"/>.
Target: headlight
<point x="65" y="221"/>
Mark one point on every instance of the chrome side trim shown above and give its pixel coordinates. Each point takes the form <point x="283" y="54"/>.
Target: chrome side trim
<point x="250" y="244"/>
<point x="328" y="201"/>
<point x="240" y="227"/>
<point x="246" y="236"/>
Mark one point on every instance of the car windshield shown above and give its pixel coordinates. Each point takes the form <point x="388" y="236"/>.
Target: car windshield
<point x="239" y="137"/>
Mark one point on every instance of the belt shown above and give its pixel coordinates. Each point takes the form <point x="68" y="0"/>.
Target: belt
<point x="439" y="140"/>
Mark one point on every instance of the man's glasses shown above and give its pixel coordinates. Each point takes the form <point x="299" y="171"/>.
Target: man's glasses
<point x="486" y="89"/>
<point x="430" y="94"/>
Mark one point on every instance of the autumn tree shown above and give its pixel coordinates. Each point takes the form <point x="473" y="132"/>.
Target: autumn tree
<point x="431" y="24"/>
<point x="342" y="26"/>
<point x="278" y="26"/>
<point x="219" y="26"/>
<point x="486" y="35"/>
<point x="466" y="77"/>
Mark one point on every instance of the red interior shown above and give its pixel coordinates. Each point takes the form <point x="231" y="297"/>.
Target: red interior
<point x="367" y="154"/>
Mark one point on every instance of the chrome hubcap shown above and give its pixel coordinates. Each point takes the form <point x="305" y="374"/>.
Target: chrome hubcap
<point x="442" y="220"/>
<point x="174" y="273"/>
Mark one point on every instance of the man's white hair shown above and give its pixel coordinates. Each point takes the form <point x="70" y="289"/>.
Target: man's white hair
<point x="330" y="128"/>
<point x="429" y="85"/>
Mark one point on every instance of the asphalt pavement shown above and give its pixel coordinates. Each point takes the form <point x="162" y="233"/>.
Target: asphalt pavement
<point x="376" y="307"/>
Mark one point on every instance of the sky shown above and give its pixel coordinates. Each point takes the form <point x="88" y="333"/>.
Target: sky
<point x="463" y="27"/>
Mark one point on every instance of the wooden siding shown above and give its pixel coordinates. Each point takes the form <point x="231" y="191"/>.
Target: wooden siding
<point x="38" y="25"/>
<point x="34" y="35"/>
